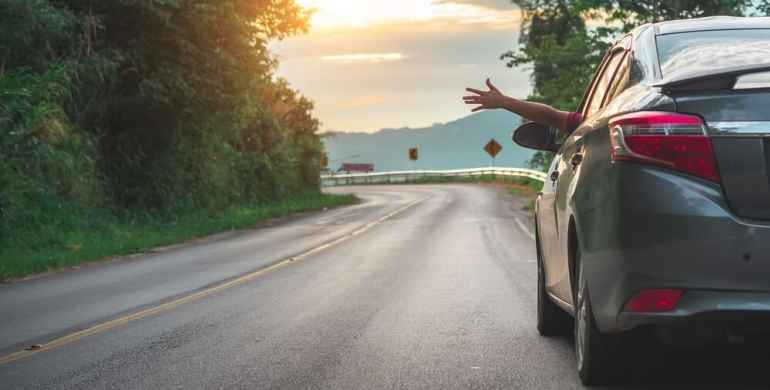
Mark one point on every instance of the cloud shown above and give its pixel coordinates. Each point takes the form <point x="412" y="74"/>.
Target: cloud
<point x="371" y="58"/>
<point x="504" y="5"/>
<point x="402" y="73"/>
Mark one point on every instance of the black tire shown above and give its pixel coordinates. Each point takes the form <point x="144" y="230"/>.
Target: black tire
<point x="598" y="360"/>
<point x="551" y="319"/>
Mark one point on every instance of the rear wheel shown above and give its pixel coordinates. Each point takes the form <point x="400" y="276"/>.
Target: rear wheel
<point x="598" y="360"/>
<point x="551" y="320"/>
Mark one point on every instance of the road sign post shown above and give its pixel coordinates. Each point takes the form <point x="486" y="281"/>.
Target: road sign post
<point x="324" y="160"/>
<point x="414" y="154"/>
<point x="493" y="148"/>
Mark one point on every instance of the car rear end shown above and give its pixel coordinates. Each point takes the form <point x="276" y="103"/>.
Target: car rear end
<point x="691" y="225"/>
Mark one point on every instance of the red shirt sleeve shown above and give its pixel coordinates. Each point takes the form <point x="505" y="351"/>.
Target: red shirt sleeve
<point x="574" y="119"/>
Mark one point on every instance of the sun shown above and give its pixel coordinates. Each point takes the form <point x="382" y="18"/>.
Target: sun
<point x="332" y="13"/>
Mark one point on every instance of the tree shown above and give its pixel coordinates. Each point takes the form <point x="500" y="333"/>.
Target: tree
<point x="564" y="53"/>
<point x="184" y="69"/>
<point x="146" y="107"/>
<point x="561" y="51"/>
<point x="632" y="13"/>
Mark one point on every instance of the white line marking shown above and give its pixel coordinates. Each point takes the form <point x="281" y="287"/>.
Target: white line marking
<point x="525" y="229"/>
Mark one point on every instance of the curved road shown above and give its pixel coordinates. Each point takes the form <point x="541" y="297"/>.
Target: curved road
<point x="416" y="287"/>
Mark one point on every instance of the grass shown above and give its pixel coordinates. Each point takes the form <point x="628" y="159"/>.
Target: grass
<point x="522" y="187"/>
<point x="528" y="194"/>
<point x="467" y="179"/>
<point x="527" y="190"/>
<point x="109" y="235"/>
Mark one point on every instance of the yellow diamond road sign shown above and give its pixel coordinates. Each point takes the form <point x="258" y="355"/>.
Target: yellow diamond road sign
<point x="493" y="148"/>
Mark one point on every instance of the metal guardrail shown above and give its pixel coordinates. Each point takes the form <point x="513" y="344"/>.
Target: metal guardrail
<point x="409" y="176"/>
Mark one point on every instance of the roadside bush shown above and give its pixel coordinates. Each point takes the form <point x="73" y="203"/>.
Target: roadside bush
<point x="48" y="172"/>
<point x="118" y="111"/>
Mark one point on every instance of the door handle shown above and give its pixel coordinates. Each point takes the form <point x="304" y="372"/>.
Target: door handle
<point x="577" y="158"/>
<point x="554" y="176"/>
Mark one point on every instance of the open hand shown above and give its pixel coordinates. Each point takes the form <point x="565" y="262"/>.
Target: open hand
<point x="485" y="99"/>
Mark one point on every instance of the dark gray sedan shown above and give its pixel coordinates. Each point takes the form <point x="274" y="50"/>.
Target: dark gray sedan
<point x="656" y="213"/>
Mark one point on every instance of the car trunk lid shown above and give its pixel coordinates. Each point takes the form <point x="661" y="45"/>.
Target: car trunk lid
<point x="739" y="126"/>
<point x="724" y="77"/>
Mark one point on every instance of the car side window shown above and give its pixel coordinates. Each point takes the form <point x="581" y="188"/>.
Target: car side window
<point x="620" y="81"/>
<point x="603" y="83"/>
<point x="583" y="106"/>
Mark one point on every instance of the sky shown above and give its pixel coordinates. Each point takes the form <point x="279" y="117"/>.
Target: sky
<point x="373" y="64"/>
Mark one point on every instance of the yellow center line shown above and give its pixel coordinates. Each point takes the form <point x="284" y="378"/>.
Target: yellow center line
<point x="105" y="326"/>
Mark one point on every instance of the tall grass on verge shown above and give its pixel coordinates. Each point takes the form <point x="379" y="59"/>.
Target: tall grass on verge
<point x="102" y="233"/>
<point x="525" y="188"/>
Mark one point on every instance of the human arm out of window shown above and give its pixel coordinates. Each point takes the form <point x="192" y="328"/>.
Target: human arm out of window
<point x="536" y="112"/>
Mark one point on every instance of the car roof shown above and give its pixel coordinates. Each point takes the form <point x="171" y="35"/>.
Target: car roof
<point x="711" y="23"/>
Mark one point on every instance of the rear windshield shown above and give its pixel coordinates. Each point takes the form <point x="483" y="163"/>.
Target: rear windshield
<point x="706" y="51"/>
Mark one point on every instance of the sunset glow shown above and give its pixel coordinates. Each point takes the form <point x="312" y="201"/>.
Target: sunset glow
<point x="361" y="13"/>
<point x="383" y="62"/>
<point x="357" y="13"/>
<point x="364" y="57"/>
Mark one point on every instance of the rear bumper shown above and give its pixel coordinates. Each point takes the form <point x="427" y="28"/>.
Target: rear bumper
<point x="744" y="311"/>
<point x="660" y="229"/>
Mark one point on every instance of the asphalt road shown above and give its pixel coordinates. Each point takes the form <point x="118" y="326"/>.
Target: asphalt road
<point x="421" y="287"/>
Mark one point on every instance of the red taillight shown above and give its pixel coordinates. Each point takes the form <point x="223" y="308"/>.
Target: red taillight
<point x="676" y="141"/>
<point x="654" y="301"/>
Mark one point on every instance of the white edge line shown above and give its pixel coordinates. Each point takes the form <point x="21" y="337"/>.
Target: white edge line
<point x="525" y="229"/>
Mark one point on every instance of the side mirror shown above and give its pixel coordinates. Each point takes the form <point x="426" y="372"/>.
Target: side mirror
<point x="533" y="135"/>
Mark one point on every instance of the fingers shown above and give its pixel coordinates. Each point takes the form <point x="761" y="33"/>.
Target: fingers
<point x="476" y="91"/>
<point x="479" y="97"/>
<point x="491" y="86"/>
<point x="476" y="102"/>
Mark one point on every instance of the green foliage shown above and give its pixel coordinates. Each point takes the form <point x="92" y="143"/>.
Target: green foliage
<point x="106" y="234"/>
<point x="47" y="165"/>
<point x="550" y="58"/>
<point x="32" y="32"/>
<point x="540" y="161"/>
<point x="564" y="53"/>
<point x="760" y="8"/>
<point x="116" y="108"/>
<point x="632" y="13"/>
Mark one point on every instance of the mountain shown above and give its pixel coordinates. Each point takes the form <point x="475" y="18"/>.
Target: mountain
<point x="452" y="145"/>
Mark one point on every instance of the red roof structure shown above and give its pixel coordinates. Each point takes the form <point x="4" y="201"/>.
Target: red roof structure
<point x="356" y="168"/>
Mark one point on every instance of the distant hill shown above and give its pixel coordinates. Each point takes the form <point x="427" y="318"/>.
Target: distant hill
<point x="453" y="145"/>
